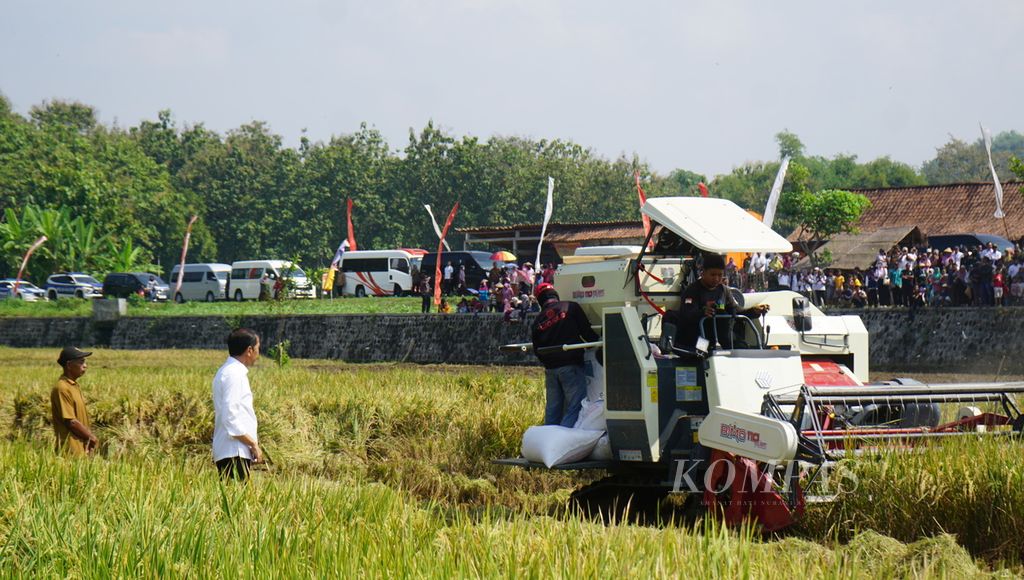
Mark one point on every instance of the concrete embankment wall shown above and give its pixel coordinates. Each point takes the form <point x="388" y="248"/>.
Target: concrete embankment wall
<point x="938" y="340"/>
<point x="461" y="339"/>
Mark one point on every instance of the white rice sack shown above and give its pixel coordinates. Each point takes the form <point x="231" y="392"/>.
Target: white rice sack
<point x="595" y="375"/>
<point x="591" y="416"/>
<point x="602" y="450"/>
<point x="556" y="445"/>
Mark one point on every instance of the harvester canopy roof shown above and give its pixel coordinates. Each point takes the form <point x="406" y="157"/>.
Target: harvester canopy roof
<point x="714" y="225"/>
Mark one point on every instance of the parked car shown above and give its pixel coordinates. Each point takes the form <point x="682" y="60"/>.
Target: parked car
<point x="26" y="290"/>
<point x="971" y="241"/>
<point x="124" y="284"/>
<point x="72" y="285"/>
<point x="246" y="276"/>
<point x="375" y="273"/>
<point x="207" y="282"/>
<point x="477" y="264"/>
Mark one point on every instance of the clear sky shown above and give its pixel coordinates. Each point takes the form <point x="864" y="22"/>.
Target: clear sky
<point x="700" y="85"/>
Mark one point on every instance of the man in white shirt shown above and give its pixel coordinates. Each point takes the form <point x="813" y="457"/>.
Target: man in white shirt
<point x="817" y="282"/>
<point x="881" y="259"/>
<point x="235" y="443"/>
<point x="448" y="271"/>
<point x="958" y="256"/>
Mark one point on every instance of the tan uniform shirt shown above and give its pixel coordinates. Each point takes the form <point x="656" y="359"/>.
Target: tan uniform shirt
<point x="66" y="402"/>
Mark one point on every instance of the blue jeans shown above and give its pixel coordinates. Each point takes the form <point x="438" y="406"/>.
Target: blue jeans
<point x="566" y="387"/>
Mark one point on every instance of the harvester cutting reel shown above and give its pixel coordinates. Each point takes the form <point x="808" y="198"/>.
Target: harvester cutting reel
<point x="819" y="425"/>
<point x="836" y="421"/>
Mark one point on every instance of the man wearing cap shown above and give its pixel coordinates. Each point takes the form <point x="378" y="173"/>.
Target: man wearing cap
<point x="565" y="379"/>
<point x="706" y="297"/>
<point x="70" y="418"/>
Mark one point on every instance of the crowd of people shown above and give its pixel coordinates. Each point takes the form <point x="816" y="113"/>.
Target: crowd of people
<point x="507" y="288"/>
<point x="901" y="276"/>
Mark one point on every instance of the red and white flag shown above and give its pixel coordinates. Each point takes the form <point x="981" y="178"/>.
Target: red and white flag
<point x="643" y="199"/>
<point x="703" y="189"/>
<point x="24" y="262"/>
<point x="987" y="136"/>
<point x="437" y="268"/>
<point x="437" y="229"/>
<point x="351" y="232"/>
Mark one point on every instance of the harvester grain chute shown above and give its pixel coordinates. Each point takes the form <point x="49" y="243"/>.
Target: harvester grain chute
<point x="744" y="421"/>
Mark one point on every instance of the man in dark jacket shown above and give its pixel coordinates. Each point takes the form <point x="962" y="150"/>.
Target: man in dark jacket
<point x="704" y="298"/>
<point x="565" y="380"/>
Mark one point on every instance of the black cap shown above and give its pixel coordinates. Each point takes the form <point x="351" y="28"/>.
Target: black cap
<point x="70" y="353"/>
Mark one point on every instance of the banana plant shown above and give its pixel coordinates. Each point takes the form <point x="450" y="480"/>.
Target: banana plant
<point x="86" y="248"/>
<point x="127" y="257"/>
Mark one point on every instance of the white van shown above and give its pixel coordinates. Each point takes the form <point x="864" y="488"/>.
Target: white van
<point x="246" y="276"/>
<point x="376" y="273"/>
<point x="207" y="282"/>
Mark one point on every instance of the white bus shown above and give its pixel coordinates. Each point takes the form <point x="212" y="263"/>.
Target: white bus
<point x="207" y="282"/>
<point x="246" y="276"/>
<point x="375" y="273"/>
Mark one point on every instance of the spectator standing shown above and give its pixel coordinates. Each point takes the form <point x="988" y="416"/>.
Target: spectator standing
<point x="266" y="285"/>
<point x="731" y="277"/>
<point x="425" y="293"/>
<point x="483" y="292"/>
<point x="759" y="267"/>
<point x="495" y="299"/>
<point x="884" y="286"/>
<point x="908" y="285"/>
<point x="548" y="274"/>
<point x="462" y="280"/>
<point x="839" y="283"/>
<point x="896" y="283"/>
<point x="1017" y="284"/>
<point x="783" y="280"/>
<point x="817" y="282"/>
<point x="71" y="424"/>
<point x="151" y="288"/>
<point x="446" y="287"/>
<point x="507" y="294"/>
<point x="531" y="278"/>
<point x="959" y="288"/>
<point x="235" y="440"/>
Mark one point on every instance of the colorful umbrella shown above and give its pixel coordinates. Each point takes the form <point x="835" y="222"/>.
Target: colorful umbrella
<point x="503" y="256"/>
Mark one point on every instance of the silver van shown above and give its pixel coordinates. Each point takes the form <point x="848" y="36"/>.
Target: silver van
<point x="207" y="282"/>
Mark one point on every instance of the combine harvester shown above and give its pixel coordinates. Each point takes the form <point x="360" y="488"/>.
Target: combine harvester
<point x="744" y="424"/>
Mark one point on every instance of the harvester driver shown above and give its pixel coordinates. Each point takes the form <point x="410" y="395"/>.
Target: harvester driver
<point x="706" y="297"/>
<point x="565" y="380"/>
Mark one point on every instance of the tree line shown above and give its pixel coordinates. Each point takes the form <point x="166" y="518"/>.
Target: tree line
<point x="133" y="189"/>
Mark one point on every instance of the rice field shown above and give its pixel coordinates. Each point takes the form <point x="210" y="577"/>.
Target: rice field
<point x="384" y="471"/>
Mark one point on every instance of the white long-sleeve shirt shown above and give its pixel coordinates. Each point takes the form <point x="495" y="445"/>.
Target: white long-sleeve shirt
<point x="232" y="409"/>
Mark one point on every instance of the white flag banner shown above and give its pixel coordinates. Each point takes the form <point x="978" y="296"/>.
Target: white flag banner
<point x="773" y="197"/>
<point x="987" y="136"/>
<point x="437" y="228"/>
<point x="547" y="216"/>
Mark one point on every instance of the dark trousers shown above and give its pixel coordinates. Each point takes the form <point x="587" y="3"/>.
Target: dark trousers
<point x="234" y="468"/>
<point x="425" y="307"/>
